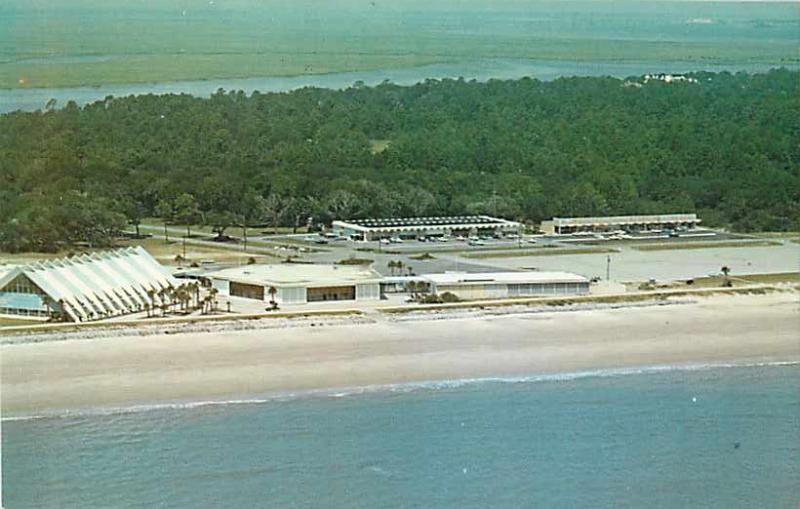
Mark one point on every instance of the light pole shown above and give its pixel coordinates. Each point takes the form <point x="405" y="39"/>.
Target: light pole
<point x="608" y="268"/>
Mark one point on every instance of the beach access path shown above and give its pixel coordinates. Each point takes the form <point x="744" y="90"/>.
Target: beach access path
<point x="121" y="371"/>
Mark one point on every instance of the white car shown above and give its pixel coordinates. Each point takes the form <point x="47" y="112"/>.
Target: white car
<point x="396" y="240"/>
<point x="476" y="242"/>
<point x="385" y="241"/>
<point x="460" y="238"/>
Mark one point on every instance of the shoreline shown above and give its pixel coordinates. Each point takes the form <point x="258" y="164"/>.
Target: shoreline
<point x="397" y="388"/>
<point x="128" y="371"/>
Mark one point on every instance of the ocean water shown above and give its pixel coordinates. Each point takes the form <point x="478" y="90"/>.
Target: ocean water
<point x="725" y="437"/>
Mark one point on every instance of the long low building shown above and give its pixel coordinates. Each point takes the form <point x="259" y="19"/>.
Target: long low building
<point x="298" y="283"/>
<point x="567" y="225"/>
<point x="85" y="287"/>
<point x="415" y="227"/>
<point x="493" y="285"/>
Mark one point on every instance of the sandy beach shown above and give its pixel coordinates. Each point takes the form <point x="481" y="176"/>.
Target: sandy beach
<point x="54" y="376"/>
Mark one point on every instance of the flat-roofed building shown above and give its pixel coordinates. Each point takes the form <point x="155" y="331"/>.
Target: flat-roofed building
<point x="493" y="285"/>
<point x="298" y="283"/>
<point x="415" y="227"/>
<point x="86" y="287"/>
<point x="567" y="225"/>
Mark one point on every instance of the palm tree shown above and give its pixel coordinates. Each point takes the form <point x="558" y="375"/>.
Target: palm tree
<point x="410" y="270"/>
<point x="147" y="308"/>
<point x="151" y="294"/>
<point x="413" y="287"/>
<point x="212" y="294"/>
<point x="725" y="272"/>
<point x="62" y="304"/>
<point x="48" y="304"/>
<point x="392" y="265"/>
<point x="272" y="292"/>
<point x="183" y="296"/>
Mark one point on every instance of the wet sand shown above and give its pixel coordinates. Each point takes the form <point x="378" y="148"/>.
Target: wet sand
<point x="132" y="370"/>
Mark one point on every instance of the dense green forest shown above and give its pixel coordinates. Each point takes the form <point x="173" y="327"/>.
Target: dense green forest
<point x="727" y="147"/>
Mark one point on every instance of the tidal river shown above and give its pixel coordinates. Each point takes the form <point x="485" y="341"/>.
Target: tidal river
<point x="31" y="99"/>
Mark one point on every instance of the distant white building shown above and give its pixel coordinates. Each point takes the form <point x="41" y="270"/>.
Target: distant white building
<point x="414" y="227"/>
<point x="567" y="225"/>
<point x="299" y="283"/>
<point x="492" y="285"/>
<point x="669" y="78"/>
<point x="85" y="287"/>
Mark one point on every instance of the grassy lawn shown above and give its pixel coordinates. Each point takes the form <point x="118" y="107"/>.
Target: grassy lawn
<point x="579" y="299"/>
<point x="28" y="257"/>
<point x="378" y="146"/>
<point x="795" y="236"/>
<point x="166" y="253"/>
<point x="767" y="279"/>
<point x="155" y="226"/>
<point x="542" y="252"/>
<point x="161" y="251"/>
<point x="705" y="245"/>
<point x="11" y="322"/>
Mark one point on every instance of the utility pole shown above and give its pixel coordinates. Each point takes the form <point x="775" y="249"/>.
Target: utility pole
<point x="608" y="268"/>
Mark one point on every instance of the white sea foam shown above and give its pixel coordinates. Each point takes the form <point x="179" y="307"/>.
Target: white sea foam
<point x="401" y="388"/>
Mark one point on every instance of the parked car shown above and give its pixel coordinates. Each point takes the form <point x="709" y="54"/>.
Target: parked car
<point x="395" y="240"/>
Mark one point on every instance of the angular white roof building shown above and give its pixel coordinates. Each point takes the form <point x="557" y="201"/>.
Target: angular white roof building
<point x="86" y="287"/>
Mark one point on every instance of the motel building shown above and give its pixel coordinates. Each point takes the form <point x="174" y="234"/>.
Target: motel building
<point x="408" y="228"/>
<point x="569" y="225"/>
<point x="498" y="285"/>
<point x="86" y="287"/>
<point x="298" y="283"/>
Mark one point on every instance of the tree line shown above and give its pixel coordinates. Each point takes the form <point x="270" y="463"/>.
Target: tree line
<point x="725" y="147"/>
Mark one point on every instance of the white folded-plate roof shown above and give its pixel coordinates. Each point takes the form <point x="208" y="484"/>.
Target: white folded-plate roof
<point x="98" y="284"/>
